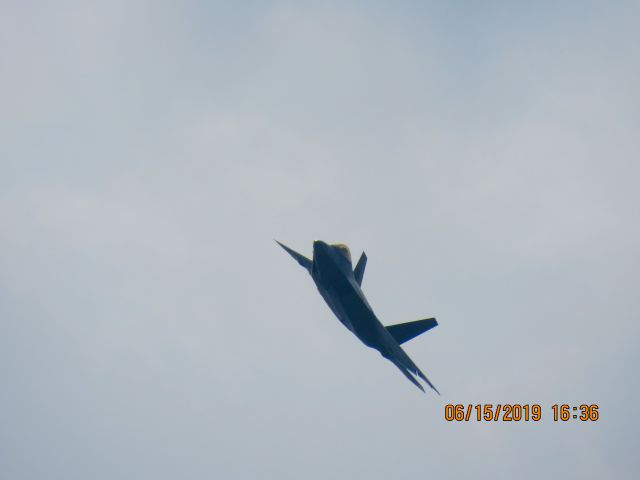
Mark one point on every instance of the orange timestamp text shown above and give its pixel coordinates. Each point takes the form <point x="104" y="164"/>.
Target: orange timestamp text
<point x="515" y="412"/>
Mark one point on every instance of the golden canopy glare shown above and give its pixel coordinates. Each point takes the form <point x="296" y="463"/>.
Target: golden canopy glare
<point x="344" y="250"/>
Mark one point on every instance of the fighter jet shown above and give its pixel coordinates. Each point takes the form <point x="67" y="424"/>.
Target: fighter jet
<point x="339" y="284"/>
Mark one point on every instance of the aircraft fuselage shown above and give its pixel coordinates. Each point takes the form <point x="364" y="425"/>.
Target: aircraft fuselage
<point x="339" y="285"/>
<point x="333" y="275"/>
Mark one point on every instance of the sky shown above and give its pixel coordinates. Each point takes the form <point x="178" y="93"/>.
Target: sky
<point x="483" y="154"/>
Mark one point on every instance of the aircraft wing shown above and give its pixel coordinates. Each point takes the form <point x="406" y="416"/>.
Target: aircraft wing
<point x="301" y="259"/>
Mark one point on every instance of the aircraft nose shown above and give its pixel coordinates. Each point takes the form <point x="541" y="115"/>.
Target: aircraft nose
<point x="320" y="246"/>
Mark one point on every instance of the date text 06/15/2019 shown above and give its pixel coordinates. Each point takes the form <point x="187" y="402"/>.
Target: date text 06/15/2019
<point x="515" y="412"/>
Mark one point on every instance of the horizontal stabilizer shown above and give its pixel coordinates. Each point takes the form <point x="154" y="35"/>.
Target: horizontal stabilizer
<point x="301" y="259"/>
<point x="358" y="272"/>
<point x="404" y="332"/>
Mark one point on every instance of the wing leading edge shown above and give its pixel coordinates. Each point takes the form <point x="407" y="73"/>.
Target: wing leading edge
<point x="301" y="259"/>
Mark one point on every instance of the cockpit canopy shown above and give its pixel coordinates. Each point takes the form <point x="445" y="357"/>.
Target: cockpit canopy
<point x="344" y="250"/>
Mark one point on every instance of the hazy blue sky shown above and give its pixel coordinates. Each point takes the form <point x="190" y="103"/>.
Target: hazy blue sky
<point x="484" y="154"/>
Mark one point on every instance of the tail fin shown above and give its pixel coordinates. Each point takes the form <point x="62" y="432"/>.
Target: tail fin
<point x="358" y="272"/>
<point x="404" y="332"/>
<point x="410" y="370"/>
<point x="406" y="373"/>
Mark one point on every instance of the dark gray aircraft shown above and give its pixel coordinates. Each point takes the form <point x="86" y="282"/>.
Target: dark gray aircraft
<point x="339" y="284"/>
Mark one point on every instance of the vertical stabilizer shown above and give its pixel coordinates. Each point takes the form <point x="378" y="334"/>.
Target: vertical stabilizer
<point x="358" y="272"/>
